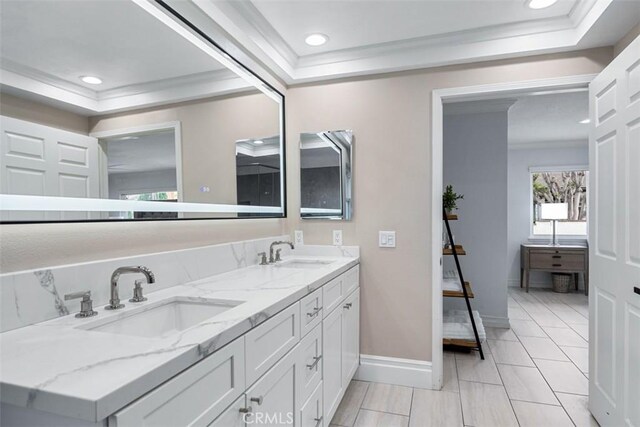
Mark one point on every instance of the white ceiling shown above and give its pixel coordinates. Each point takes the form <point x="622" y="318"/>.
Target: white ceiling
<point x="367" y="37"/>
<point x="356" y="24"/>
<point x="549" y="120"/>
<point x="535" y="120"/>
<point x="150" y="152"/>
<point x="46" y="46"/>
<point x="115" y="40"/>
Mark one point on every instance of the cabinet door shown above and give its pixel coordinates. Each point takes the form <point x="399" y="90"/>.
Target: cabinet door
<point x="311" y="411"/>
<point x="234" y="415"/>
<point x="268" y="342"/>
<point x="273" y="397"/>
<point x="332" y="361"/>
<point x="194" y="397"/>
<point x="310" y="366"/>
<point x="350" y="336"/>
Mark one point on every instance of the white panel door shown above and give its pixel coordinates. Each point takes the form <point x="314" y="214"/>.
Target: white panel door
<point x="614" y="305"/>
<point x="44" y="161"/>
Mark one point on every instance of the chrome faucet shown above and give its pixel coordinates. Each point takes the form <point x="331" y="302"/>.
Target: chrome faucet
<point x="273" y="259"/>
<point x="114" y="302"/>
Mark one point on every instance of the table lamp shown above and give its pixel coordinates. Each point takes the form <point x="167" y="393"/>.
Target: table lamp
<point x="554" y="212"/>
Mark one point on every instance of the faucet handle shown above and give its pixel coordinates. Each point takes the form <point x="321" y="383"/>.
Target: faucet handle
<point x="263" y="258"/>
<point x="86" y="305"/>
<point x="278" y="258"/>
<point x="137" y="292"/>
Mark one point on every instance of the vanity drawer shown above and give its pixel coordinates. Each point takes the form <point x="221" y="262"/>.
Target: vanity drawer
<point x="557" y="261"/>
<point x="193" y="398"/>
<point x="310" y="365"/>
<point x="351" y="280"/>
<point x="311" y="411"/>
<point x="268" y="342"/>
<point x="332" y="295"/>
<point x="310" y="311"/>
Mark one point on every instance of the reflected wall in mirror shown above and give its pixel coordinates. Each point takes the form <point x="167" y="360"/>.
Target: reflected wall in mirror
<point x="325" y="175"/>
<point x="121" y="111"/>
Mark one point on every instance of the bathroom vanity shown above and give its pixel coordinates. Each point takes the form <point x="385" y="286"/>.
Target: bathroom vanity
<point x="259" y="344"/>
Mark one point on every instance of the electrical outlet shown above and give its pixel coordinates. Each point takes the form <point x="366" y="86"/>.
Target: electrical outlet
<point x="387" y="239"/>
<point x="337" y="237"/>
<point x="298" y="237"/>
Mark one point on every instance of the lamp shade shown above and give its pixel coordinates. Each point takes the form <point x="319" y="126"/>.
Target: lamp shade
<point x="554" y="211"/>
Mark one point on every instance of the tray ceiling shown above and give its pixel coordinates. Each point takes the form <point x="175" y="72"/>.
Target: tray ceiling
<point x="367" y="37"/>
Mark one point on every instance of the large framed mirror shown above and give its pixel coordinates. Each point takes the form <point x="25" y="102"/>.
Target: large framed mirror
<point x="326" y="175"/>
<point x="125" y="110"/>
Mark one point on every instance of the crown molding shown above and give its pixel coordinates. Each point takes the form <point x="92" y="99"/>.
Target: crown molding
<point x="150" y="94"/>
<point x="256" y="35"/>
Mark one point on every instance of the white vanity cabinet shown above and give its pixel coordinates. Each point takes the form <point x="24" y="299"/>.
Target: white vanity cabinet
<point x="292" y="369"/>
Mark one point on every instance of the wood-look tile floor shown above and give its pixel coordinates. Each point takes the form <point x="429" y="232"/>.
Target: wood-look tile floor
<point x="534" y="374"/>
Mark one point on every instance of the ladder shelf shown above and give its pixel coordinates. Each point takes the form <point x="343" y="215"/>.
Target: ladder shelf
<point x="463" y="292"/>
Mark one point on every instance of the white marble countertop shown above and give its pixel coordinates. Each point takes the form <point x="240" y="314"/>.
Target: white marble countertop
<point x="56" y="366"/>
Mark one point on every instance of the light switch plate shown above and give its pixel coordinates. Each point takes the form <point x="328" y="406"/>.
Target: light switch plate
<point x="337" y="237"/>
<point x="387" y="239"/>
<point x="298" y="237"/>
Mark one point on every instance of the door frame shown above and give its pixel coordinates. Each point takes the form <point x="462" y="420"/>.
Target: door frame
<point x="174" y="126"/>
<point x="458" y="94"/>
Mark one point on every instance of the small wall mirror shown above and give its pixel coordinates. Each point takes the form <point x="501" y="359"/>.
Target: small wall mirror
<point x="325" y="175"/>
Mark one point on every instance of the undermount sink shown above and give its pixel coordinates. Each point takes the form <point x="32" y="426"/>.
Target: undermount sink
<point x="165" y="318"/>
<point x="305" y="263"/>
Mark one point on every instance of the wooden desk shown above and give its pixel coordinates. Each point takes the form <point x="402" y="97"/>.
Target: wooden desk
<point x="555" y="259"/>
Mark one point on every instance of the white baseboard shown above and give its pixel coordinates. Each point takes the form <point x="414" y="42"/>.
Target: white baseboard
<point x="495" y="322"/>
<point x="392" y="370"/>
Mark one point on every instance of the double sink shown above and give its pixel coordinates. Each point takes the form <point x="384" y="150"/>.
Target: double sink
<point x="169" y="316"/>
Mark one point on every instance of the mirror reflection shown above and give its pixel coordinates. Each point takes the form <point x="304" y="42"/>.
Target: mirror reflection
<point x="325" y="174"/>
<point x="173" y="128"/>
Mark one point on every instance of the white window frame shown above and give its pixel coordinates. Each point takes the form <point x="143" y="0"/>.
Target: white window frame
<point x="538" y="169"/>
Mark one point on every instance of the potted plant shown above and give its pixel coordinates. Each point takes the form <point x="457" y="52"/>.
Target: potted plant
<point x="449" y="199"/>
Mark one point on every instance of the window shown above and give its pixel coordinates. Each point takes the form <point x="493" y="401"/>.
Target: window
<point x="560" y="185"/>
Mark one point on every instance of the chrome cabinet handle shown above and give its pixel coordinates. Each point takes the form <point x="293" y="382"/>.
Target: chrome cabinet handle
<point x="315" y="312"/>
<point x="318" y="421"/>
<point x="316" y="359"/>
<point x="258" y="400"/>
<point x="245" y="410"/>
<point x="348" y="305"/>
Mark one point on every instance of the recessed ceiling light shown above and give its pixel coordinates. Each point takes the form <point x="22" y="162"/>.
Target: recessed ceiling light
<point x="127" y="138"/>
<point x="316" y="39"/>
<point x="258" y="142"/>
<point x="92" y="80"/>
<point x="540" y="4"/>
<point x="585" y="121"/>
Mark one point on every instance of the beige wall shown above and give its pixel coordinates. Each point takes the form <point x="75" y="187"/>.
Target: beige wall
<point x="32" y="111"/>
<point x="626" y="40"/>
<point x="390" y="117"/>
<point x="209" y="130"/>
